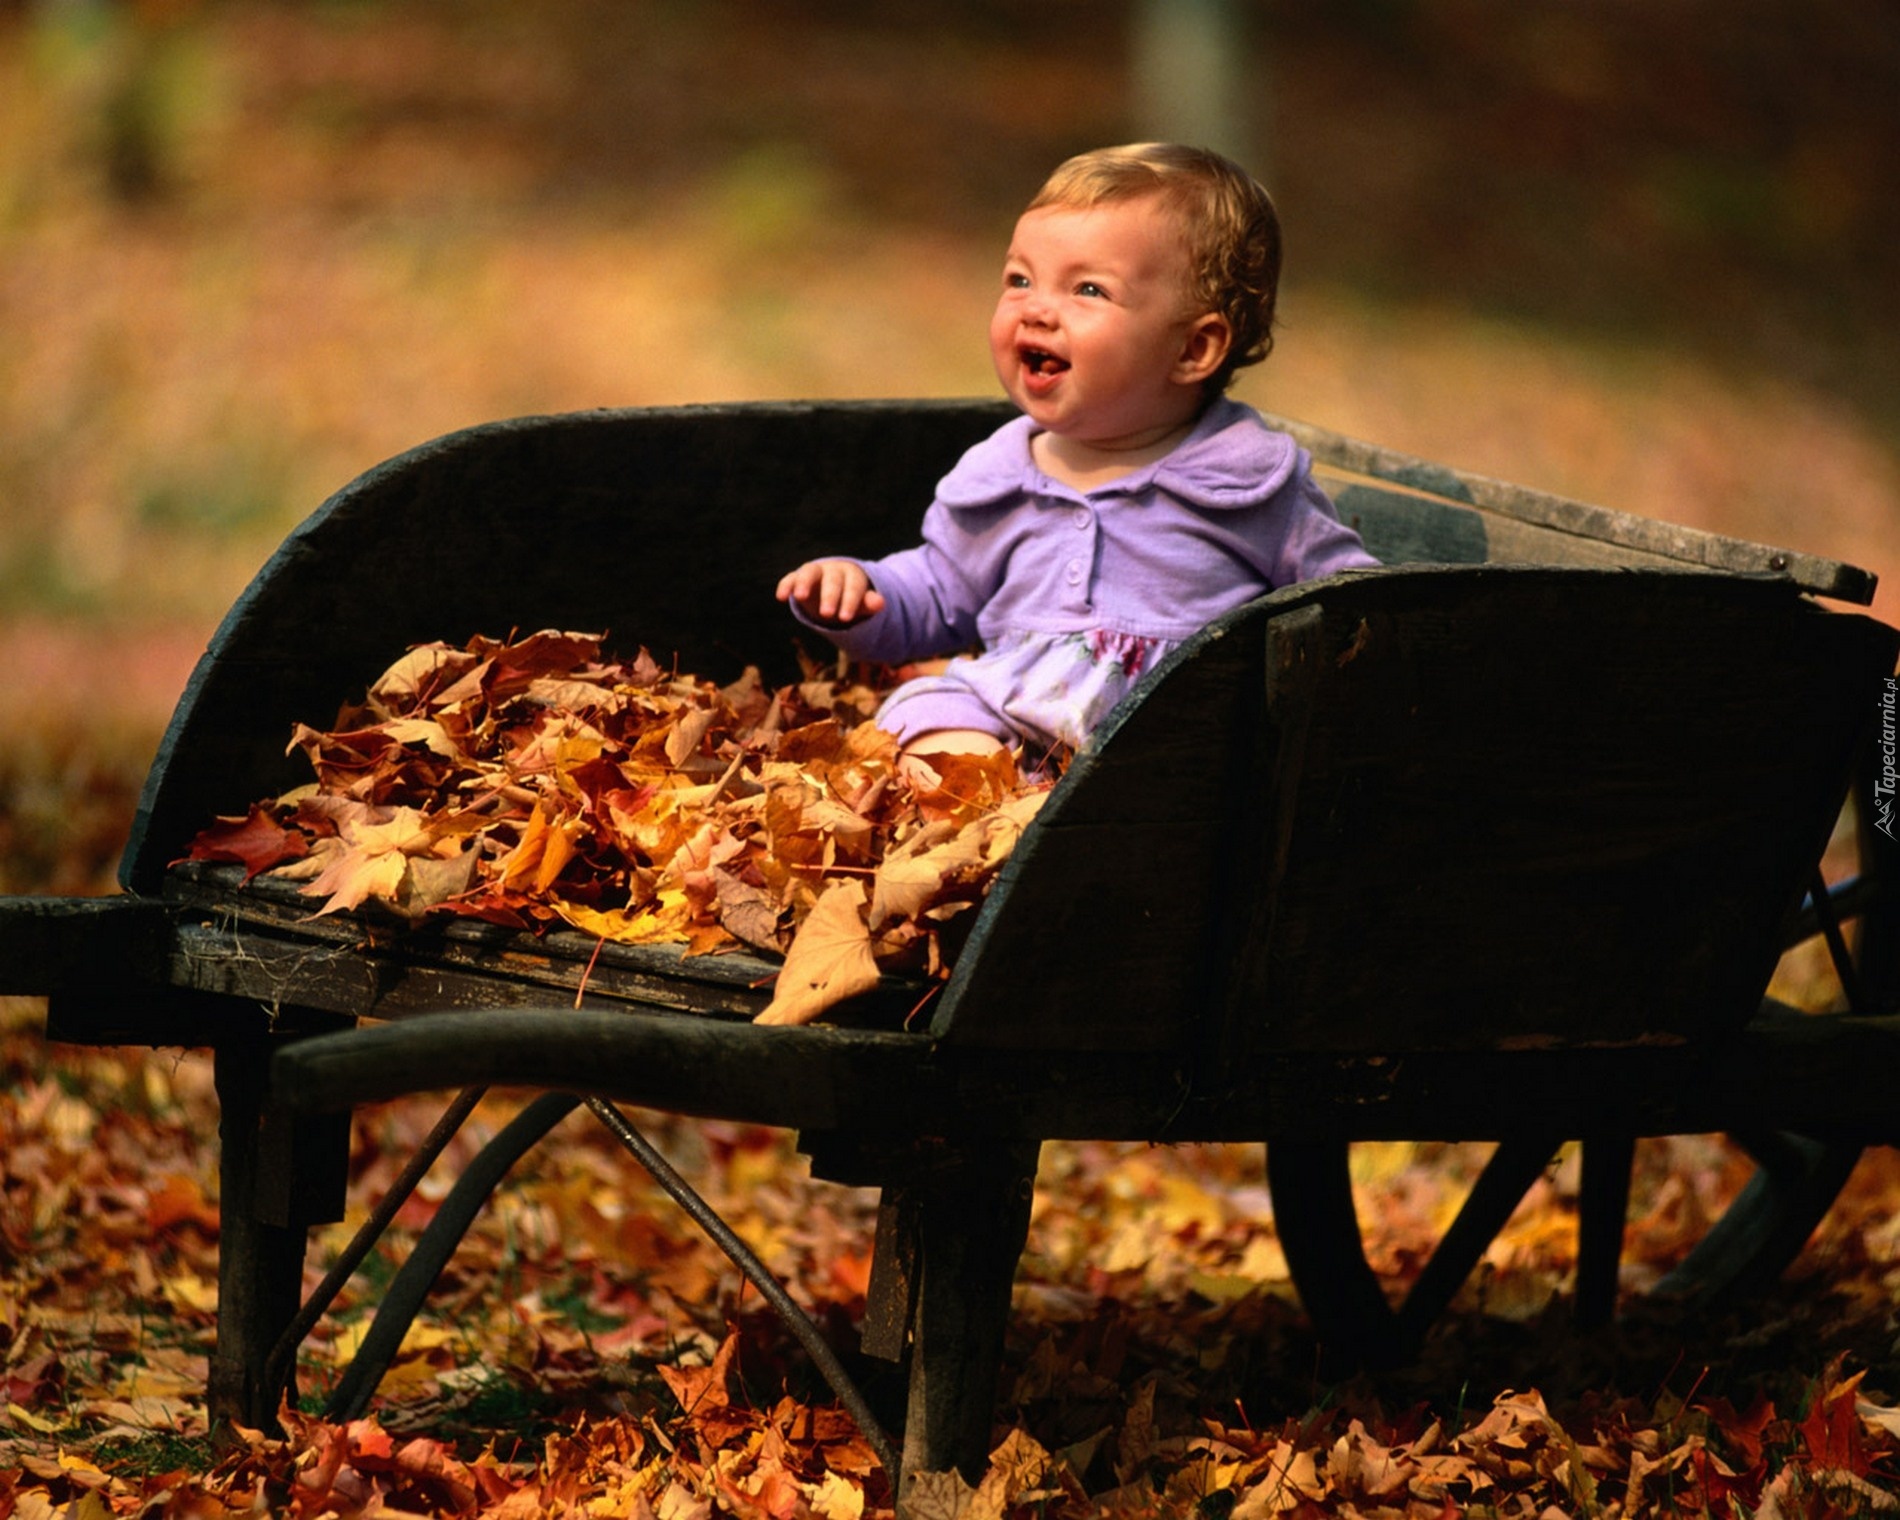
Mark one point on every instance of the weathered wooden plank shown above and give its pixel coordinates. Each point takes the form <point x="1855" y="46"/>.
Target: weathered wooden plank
<point x="397" y="980"/>
<point x="218" y="894"/>
<point x="263" y="941"/>
<point x="50" y="944"/>
<point x="1408" y="528"/>
<point x="1693" y="546"/>
<point x="1818" y="1075"/>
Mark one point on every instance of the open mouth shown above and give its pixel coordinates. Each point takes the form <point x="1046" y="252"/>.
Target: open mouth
<point x="1039" y="361"/>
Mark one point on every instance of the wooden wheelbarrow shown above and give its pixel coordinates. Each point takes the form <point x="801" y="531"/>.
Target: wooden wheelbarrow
<point x="1501" y="842"/>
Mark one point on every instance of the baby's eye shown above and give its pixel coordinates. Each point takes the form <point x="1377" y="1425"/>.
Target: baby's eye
<point x="1012" y="280"/>
<point x="1092" y="290"/>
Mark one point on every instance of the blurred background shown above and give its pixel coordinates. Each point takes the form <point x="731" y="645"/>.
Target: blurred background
<point x="1632" y="251"/>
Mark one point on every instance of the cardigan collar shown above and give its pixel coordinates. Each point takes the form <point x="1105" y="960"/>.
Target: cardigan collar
<point x="1229" y="459"/>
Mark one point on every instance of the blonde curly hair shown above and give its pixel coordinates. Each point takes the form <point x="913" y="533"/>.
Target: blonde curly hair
<point x="1226" y="216"/>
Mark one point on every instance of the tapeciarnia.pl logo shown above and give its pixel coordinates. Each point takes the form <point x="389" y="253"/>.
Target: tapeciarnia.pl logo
<point x="1884" y="783"/>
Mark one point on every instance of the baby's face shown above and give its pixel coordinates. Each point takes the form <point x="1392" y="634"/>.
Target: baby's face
<point x="1094" y="315"/>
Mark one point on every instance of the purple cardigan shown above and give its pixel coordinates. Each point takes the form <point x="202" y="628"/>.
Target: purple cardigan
<point x="1230" y="514"/>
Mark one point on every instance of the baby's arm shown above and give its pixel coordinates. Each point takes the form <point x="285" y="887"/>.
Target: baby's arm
<point x="833" y="592"/>
<point x="920" y="601"/>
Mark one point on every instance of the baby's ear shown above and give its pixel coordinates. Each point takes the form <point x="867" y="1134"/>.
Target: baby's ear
<point x="1204" y="349"/>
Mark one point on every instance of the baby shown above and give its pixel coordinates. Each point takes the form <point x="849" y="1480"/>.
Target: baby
<point x="1131" y="503"/>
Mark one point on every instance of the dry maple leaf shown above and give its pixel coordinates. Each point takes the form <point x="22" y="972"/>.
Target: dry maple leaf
<point x="257" y="841"/>
<point x="830" y="959"/>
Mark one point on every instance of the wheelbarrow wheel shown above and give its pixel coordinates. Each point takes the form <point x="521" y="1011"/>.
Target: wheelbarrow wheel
<point x="1357" y="1324"/>
<point x="1795" y="1182"/>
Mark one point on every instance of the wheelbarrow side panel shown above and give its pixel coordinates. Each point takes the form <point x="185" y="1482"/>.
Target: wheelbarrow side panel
<point x="667" y="528"/>
<point x="1434" y="809"/>
<point x="1549" y="808"/>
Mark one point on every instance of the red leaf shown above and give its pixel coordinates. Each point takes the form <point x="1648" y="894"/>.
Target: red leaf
<point x="257" y="841"/>
<point x="1832" y="1429"/>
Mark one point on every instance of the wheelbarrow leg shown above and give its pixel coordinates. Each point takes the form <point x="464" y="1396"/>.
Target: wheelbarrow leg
<point x="1313" y="1214"/>
<point x="953" y="1216"/>
<point x="1602" y="1216"/>
<point x="1313" y="1211"/>
<point x="278" y="1176"/>
<point x="968" y="1217"/>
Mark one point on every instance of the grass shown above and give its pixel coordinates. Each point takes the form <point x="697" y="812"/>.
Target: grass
<point x="156" y="1451"/>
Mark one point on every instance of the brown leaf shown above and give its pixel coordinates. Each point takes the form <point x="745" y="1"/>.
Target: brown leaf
<point x="942" y="1496"/>
<point x="749" y="913"/>
<point x="700" y="1389"/>
<point x="429" y="882"/>
<point x="829" y="960"/>
<point x="683" y="739"/>
<point x="424" y="670"/>
<point x="912" y="877"/>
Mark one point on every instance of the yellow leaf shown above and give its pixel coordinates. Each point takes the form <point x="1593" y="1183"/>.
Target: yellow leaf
<point x="189" y="1291"/>
<point x="417" y="1340"/>
<point x="539" y="856"/>
<point x="371" y="859"/>
<point x="20" y="1415"/>
<point x="556" y="852"/>
<point x="406" y="831"/>
<point x="424" y="731"/>
<point x="829" y="960"/>
<point x="665" y="920"/>
<point x="350" y="878"/>
<point x="835" y="1498"/>
<point x="143" y="1382"/>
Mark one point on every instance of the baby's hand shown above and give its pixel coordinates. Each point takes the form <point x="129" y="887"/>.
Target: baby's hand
<point x="835" y="591"/>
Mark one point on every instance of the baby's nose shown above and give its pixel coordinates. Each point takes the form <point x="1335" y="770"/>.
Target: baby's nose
<point x="1038" y="308"/>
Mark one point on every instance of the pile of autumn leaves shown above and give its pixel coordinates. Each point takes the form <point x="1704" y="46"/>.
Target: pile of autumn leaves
<point x="536" y="783"/>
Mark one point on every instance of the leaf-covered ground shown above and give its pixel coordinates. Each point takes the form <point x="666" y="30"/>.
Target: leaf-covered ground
<point x="588" y="1352"/>
<point x="252" y="250"/>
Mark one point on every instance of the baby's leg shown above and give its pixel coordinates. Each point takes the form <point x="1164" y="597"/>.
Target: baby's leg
<point x="913" y="761"/>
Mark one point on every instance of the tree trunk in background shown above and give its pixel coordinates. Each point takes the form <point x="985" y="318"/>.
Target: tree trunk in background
<point x="1193" y="80"/>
